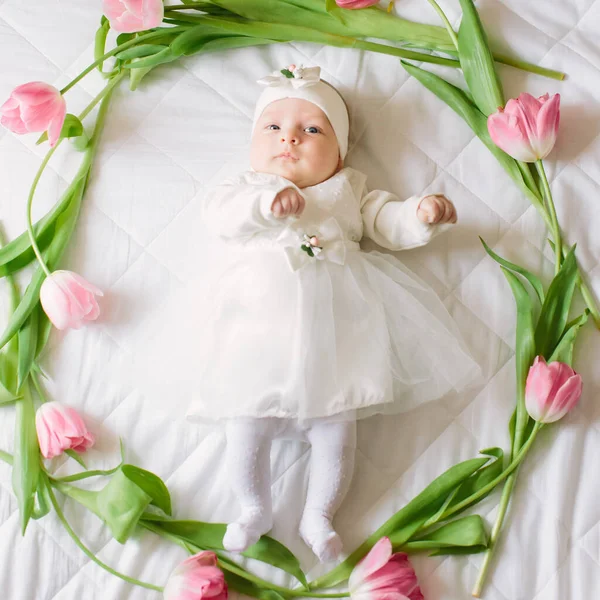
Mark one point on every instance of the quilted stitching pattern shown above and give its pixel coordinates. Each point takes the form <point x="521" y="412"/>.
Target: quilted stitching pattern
<point x="139" y="237"/>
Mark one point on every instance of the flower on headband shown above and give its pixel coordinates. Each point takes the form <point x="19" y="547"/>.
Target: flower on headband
<point x="296" y="76"/>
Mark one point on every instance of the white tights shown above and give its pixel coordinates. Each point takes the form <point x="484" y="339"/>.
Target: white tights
<point x="248" y="463"/>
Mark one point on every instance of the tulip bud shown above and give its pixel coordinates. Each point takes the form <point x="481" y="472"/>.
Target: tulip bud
<point x="35" y="107"/>
<point x="196" y="578"/>
<point x="68" y="300"/>
<point x="551" y="391"/>
<point x="60" y="428"/>
<point x="526" y="128"/>
<point x="131" y="16"/>
<point x="381" y="574"/>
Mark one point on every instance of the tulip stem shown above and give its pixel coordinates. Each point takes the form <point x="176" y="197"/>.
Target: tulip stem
<point x="285" y="591"/>
<point x="487" y="559"/>
<point x="552" y="212"/>
<point x="30" y="200"/>
<point x="6" y="457"/>
<point x="87" y="551"/>
<point x="447" y="25"/>
<point x="106" y="90"/>
<point x="38" y="387"/>
<point x="117" y="49"/>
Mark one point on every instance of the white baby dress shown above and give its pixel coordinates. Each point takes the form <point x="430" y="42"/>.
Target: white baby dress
<point x="276" y="332"/>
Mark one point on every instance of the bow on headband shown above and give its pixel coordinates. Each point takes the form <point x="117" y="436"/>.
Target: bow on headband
<point x="297" y="77"/>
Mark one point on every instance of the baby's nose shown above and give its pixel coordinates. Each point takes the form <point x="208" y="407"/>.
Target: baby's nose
<point x="290" y="137"/>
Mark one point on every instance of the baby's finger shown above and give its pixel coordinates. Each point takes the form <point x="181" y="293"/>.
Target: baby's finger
<point x="285" y="205"/>
<point x="447" y="212"/>
<point x="301" y="204"/>
<point x="453" y="215"/>
<point x="276" y="208"/>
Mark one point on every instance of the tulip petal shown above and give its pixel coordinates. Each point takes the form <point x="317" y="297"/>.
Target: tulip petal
<point x="377" y="557"/>
<point x="55" y="304"/>
<point x="547" y="123"/>
<point x="565" y="399"/>
<point x="55" y="126"/>
<point x="34" y="93"/>
<point x="508" y="136"/>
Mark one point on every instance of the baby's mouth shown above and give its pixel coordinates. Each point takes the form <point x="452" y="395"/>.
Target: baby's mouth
<point x="287" y="156"/>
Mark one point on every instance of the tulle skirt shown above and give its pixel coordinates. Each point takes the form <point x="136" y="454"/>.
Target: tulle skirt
<point x="341" y="341"/>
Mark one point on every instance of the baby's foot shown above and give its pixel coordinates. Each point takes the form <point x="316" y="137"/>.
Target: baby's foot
<point x="317" y="532"/>
<point x="246" y="531"/>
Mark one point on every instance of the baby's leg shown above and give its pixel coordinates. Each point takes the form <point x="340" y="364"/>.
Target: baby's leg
<point x="248" y="465"/>
<point x="331" y="468"/>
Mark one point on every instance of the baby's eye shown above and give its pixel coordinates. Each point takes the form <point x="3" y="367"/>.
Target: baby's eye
<point x="314" y="129"/>
<point x="272" y="125"/>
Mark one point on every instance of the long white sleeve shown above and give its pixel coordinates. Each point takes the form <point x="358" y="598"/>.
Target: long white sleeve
<point x="240" y="206"/>
<point x="392" y="223"/>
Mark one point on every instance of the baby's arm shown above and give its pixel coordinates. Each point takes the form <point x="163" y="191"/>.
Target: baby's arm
<point x="394" y="224"/>
<point x="238" y="207"/>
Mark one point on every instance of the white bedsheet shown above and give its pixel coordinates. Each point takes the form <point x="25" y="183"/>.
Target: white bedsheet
<point x="139" y="236"/>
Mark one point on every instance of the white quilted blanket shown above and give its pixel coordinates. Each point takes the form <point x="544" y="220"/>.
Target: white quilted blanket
<point x="139" y="236"/>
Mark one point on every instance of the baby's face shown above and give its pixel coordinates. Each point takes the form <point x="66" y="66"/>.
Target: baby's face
<point x="294" y="138"/>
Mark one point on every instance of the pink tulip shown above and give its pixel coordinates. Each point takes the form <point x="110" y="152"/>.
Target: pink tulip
<point x="551" y="390"/>
<point x="60" y="428"/>
<point x="131" y="16"/>
<point x="68" y="300"/>
<point x="354" y="4"/>
<point x="35" y="106"/>
<point x="381" y="575"/>
<point x="196" y="578"/>
<point x="526" y="128"/>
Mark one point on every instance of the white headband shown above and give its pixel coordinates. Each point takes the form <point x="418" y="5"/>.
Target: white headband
<point x="305" y="83"/>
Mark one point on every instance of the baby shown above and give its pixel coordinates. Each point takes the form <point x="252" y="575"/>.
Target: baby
<point x="302" y="332"/>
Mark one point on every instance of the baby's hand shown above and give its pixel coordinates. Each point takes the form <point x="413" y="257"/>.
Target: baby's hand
<point x="436" y="209"/>
<point x="287" y="202"/>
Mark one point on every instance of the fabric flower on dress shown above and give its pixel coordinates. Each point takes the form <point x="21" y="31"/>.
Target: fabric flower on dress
<point x="324" y="242"/>
<point x="310" y="245"/>
<point x="296" y="76"/>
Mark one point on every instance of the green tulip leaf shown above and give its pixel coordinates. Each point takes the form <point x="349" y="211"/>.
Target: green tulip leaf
<point x="120" y="504"/>
<point x="100" y="42"/>
<point x="534" y="280"/>
<point x="467" y="534"/>
<point x="555" y="310"/>
<point x="43" y="501"/>
<point x="65" y="224"/>
<point x="229" y="42"/>
<point x="564" y="350"/>
<point x="210" y="535"/>
<point x="403" y="524"/>
<point x="270" y="551"/>
<point x="477" y="62"/>
<point x="478" y="480"/>
<point x="72" y="127"/>
<point x="27" y="346"/>
<point x="43" y="333"/>
<point x="460" y="103"/>
<point x="248" y="588"/>
<point x="26" y="460"/>
<point x="152" y="484"/>
<point x="524" y="355"/>
<point x="76" y="457"/>
<point x="164" y="56"/>
<point x="140" y="51"/>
